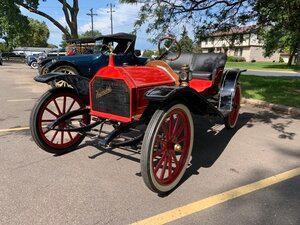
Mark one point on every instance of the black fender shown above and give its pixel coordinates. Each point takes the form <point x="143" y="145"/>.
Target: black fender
<point x="79" y="83"/>
<point x="227" y="90"/>
<point x="53" y="65"/>
<point x="198" y="104"/>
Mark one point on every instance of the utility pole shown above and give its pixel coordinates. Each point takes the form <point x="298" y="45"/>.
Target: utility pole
<point x="92" y="14"/>
<point x="111" y="11"/>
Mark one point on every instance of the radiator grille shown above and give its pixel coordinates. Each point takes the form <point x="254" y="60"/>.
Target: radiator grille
<point x="111" y="96"/>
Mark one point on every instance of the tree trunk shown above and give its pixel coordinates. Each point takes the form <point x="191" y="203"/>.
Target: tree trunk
<point x="292" y="54"/>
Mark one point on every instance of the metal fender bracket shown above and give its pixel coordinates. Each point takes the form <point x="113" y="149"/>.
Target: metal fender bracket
<point x="227" y="90"/>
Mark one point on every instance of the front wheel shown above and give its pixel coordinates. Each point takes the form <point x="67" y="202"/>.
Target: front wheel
<point x="53" y="104"/>
<point x="34" y="65"/>
<point x="167" y="147"/>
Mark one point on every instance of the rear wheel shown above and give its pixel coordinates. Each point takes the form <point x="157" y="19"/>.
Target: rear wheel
<point x="66" y="70"/>
<point x="232" y="118"/>
<point x="167" y="147"/>
<point x="49" y="107"/>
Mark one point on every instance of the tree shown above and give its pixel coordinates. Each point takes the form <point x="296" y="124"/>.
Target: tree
<point x="279" y="25"/>
<point x="38" y="34"/>
<point x="90" y="34"/>
<point x="204" y="15"/>
<point x="13" y="25"/>
<point x="186" y="43"/>
<point x="70" y="13"/>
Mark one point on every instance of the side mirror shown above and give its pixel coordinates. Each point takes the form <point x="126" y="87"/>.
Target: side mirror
<point x="137" y="53"/>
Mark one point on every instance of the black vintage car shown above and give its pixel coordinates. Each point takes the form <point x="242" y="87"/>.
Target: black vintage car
<point x="94" y="56"/>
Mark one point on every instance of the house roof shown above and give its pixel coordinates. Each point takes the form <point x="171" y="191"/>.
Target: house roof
<point x="235" y="30"/>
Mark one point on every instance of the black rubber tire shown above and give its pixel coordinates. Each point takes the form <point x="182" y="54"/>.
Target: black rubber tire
<point x="34" y="129"/>
<point x="34" y="65"/>
<point x="146" y="151"/>
<point x="226" y="119"/>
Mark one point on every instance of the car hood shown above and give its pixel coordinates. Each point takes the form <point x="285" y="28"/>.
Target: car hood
<point x="76" y="58"/>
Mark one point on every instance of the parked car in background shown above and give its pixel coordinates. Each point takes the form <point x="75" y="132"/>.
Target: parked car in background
<point x="32" y="60"/>
<point x="1" y="60"/>
<point x="92" y="55"/>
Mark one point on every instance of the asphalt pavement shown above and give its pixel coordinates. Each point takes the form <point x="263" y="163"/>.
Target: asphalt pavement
<point x="271" y="73"/>
<point x="95" y="186"/>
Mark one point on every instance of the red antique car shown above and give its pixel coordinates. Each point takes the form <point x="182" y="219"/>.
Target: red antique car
<point x="148" y="107"/>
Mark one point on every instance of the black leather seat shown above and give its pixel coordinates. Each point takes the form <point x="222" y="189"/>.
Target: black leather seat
<point x="202" y="65"/>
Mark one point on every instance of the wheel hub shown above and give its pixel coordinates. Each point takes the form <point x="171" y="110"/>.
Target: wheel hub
<point x="177" y="148"/>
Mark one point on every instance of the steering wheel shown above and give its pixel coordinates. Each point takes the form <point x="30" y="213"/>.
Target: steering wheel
<point x="168" y="45"/>
<point x="108" y="48"/>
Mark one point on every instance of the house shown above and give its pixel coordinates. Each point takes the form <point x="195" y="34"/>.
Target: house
<point x="240" y="42"/>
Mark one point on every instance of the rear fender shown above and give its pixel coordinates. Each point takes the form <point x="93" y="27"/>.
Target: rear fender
<point x="79" y="83"/>
<point x="164" y="95"/>
<point x="56" y="64"/>
<point x="227" y="90"/>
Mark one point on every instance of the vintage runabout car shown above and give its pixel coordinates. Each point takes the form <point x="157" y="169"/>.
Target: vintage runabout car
<point x="149" y="108"/>
<point x="91" y="59"/>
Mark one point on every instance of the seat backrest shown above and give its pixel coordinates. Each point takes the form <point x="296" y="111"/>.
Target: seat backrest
<point x="184" y="59"/>
<point x="208" y="62"/>
<point x="202" y="65"/>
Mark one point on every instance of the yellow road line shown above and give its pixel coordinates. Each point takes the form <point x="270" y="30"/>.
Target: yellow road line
<point x="14" y="129"/>
<point x="200" y="205"/>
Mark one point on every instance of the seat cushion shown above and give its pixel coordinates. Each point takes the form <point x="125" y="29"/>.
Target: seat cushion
<point x="200" y="85"/>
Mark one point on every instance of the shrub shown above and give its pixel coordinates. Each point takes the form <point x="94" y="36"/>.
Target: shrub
<point x="235" y="59"/>
<point x="253" y="60"/>
<point x="281" y="60"/>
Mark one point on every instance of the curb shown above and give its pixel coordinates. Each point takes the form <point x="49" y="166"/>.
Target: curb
<point x="271" y="71"/>
<point x="277" y="108"/>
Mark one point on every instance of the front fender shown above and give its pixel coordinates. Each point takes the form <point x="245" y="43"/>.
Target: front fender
<point x="79" y="83"/>
<point x="198" y="104"/>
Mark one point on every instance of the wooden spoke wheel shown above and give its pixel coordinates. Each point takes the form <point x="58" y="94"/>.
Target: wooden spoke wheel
<point x="63" y="69"/>
<point x="232" y="118"/>
<point x="53" y="104"/>
<point x="167" y="148"/>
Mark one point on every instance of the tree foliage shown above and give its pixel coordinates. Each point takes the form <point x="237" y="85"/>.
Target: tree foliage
<point x="203" y="15"/>
<point x="70" y="12"/>
<point x="90" y="34"/>
<point x="279" y="25"/>
<point x="13" y="25"/>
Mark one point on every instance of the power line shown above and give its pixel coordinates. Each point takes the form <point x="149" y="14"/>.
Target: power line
<point x="111" y="11"/>
<point x="92" y="14"/>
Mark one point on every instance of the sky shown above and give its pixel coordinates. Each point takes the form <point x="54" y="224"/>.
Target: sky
<point x="124" y="17"/>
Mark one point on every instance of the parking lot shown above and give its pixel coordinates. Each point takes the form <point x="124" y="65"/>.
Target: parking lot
<point x="230" y="179"/>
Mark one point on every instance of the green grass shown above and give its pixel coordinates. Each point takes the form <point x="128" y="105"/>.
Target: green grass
<point x="283" y="91"/>
<point x="262" y="66"/>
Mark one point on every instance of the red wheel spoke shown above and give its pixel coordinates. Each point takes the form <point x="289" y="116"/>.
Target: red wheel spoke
<point x="157" y="153"/>
<point x="170" y="166"/>
<point x="71" y="106"/>
<point x="45" y="132"/>
<point x="55" y="134"/>
<point x="64" y="104"/>
<point x="62" y="137"/>
<point x="175" y="125"/>
<point x="51" y="112"/>
<point x="70" y="135"/>
<point x="165" y="130"/>
<point x="57" y="107"/>
<point x="158" y="165"/>
<point x="171" y="126"/>
<point x="174" y="157"/>
<point x="164" y="167"/>
<point x="47" y="121"/>
<point x="178" y="131"/>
